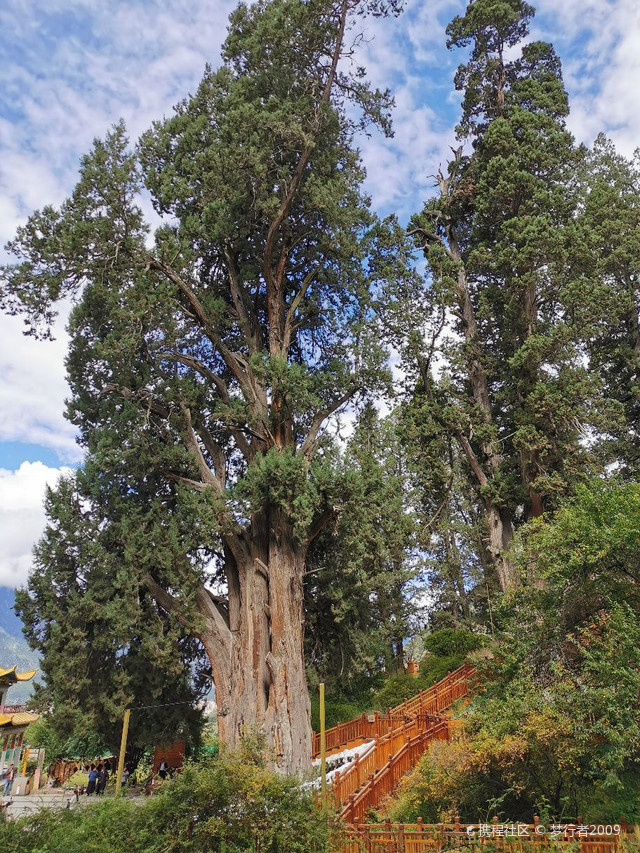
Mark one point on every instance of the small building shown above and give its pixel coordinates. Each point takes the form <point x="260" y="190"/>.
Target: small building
<point x="14" y="719"/>
<point x="173" y="754"/>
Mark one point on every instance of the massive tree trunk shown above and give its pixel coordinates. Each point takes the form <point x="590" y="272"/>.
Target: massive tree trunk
<point x="256" y="647"/>
<point x="499" y="536"/>
<point x="232" y="338"/>
<point x="268" y="687"/>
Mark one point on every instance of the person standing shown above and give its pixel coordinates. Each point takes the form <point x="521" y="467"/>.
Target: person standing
<point x="8" y="777"/>
<point x="103" y="778"/>
<point x="93" y="778"/>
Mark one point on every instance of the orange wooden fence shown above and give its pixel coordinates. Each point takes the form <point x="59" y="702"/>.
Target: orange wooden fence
<point x="401" y="737"/>
<point x="511" y="838"/>
<point x="379" y="784"/>
<point x="369" y="726"/>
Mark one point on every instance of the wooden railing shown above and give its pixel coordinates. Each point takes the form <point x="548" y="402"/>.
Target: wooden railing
<point x="511" y="838"/>
<point x="404" y="735"/>
<point x="401" y="737"/>
<point x="381" y="783"/>
<point x="370" y="726"/>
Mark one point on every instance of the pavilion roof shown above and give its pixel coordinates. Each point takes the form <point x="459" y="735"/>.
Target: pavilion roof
<point x="11" y="676"/>
<point x="22" y="718"/>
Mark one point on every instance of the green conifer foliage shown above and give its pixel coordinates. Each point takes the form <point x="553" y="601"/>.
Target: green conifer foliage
<point x="104" y="644"/>
<point x="610" y="231"/>
<point x="361" y="585"/>
<point x="498" y="239"/>
<point x="206" y="359"/>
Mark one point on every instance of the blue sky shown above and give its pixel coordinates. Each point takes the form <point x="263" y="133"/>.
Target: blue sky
<point x="71" y="68"/>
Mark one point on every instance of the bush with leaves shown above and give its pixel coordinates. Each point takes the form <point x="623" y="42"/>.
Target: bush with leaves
<point x="233" y="804"/>
<point x="556" y="728"/>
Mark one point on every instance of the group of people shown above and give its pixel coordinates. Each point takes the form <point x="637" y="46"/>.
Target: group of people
<point x="132" y="778"/>
<point x="98" y="778"/>
<point x="8" y="775"/>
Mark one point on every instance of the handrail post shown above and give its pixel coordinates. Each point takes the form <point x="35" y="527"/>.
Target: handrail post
<point x="323" y="748"/>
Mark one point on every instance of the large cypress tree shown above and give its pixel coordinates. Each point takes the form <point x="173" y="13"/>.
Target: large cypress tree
<point x="512" y="390"/>
<point x="610" y="256"/>
<point x="205" y="363"/>
<point x="103" y="644"/>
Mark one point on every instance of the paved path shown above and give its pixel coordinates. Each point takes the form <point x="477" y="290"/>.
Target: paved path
<point x="55" y="799"/>
<point x="19" y="806"/>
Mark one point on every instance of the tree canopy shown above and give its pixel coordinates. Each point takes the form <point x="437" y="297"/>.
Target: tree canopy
<point x="206" y="359"/>
<point x="297" y="444"/>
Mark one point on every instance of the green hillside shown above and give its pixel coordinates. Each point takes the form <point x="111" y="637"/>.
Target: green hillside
<point x="14" y="648"/>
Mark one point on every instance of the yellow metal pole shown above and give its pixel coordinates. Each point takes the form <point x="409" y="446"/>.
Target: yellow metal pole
<point x="123" y="749"/>
<point x="323" y="748"/>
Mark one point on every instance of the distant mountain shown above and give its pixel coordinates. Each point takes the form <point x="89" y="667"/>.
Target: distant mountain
<point x="9" y="622"/>
<point x="14" y="648"/>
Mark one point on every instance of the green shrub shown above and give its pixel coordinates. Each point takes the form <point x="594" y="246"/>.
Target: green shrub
<point x="111" y="826"/>
<point x="336" y="711"/>
<point x="403" y="686"/>
<point x="452" y="641"/>
<point x="230" y="805"/>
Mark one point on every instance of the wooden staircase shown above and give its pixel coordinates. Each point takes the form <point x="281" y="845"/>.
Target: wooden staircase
<point x="400" y="738"/>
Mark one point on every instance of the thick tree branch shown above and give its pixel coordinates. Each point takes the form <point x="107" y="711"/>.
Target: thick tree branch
<point x="215" y="452"/>
<point x="309" y="445"/>
<point x="187" y="481"/>
<point x="192" y="445"/>
<point x="165" y="599"/>
<point x="216" y="636"/>
<point x="245" y="312"/>
<point x="208" y="607"/>
<point x="236" y="431"/>
<point x="293" y="307"/>
<point x="189" y="361"/>
<point x="298" y="173"/>
<point x="432" y="237"/>
<point x="320" y="522"/>
<point x="236" y="363"/>
<point x="481" y="477"/>
<point x="209" y="479"/>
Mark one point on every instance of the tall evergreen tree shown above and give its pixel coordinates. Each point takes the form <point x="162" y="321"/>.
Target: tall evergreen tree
<point x="498" y="238"/>
<point x="362" y="602"/>
<point x="610" y="257"/>
<point x="103" y="644"/>
<point x="451" y="527"/>
<point x="204" y="368"/>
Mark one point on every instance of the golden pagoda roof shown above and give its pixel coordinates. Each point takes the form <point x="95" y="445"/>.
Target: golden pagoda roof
<point x="12" y="676"/>
<point x="22" y="718"/>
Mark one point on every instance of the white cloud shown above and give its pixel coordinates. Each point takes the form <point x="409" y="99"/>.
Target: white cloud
<point x="59" y="91"/>
<point x="22" y="518"/>
<point x="33" y="390"/>
<point x="599" y="44"/>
